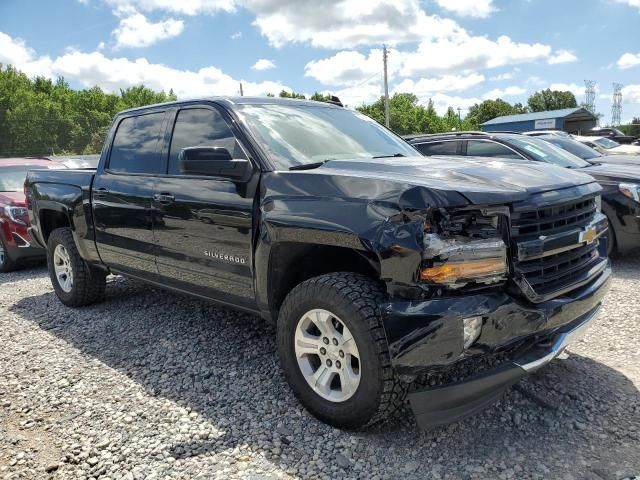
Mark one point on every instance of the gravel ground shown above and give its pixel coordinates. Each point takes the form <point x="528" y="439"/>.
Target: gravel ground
<point x="153" y="385"/>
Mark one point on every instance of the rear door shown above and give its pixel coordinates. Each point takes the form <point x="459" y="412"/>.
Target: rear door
<point x="204" y="223"/>
<point x="440" y="147"/>
<point x="122" y="192"/>
<point x="489" y="148"/>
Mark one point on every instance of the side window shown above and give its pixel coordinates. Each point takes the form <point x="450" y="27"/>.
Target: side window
<point x="490" y="149"/>
<point x="135" y="144"/>
<point x="438" y="148"/>
<point x="201" y="127"/>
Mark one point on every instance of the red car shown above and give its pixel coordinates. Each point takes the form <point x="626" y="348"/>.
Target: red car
<point x="15" y="242"/>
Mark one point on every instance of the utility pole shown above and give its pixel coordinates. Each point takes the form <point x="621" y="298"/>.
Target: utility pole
<point x="241" y="92"/>
<point x="459" y="119"/>
<point x="386" y="87"/>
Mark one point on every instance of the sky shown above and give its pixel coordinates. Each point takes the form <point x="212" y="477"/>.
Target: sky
<point x="455" y="52"/>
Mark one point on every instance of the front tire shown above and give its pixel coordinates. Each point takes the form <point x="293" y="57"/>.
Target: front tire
<point x="334" y="352"/>
<point x="6" y="263"/>
<point x="75" y="282"/>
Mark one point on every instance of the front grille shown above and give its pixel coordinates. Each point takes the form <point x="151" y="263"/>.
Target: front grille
<point x="562" y="260"/>
<point x="554" y="219"/>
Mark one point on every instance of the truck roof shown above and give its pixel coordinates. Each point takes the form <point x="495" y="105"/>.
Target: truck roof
<point x="230" y="101"/>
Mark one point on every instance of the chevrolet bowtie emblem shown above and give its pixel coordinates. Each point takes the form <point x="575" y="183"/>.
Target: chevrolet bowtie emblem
<point x="589" y="235"/>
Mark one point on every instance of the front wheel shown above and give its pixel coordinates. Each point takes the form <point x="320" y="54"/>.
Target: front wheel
<point x="334" y="351"/>
<point x="6" y="263"/>
<point x="75" y="282"/>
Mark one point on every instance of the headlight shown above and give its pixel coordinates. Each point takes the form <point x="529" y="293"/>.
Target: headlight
<point x="631" y="190"/>
<point x="14" y="214"/>
<point x="458" y="259"/>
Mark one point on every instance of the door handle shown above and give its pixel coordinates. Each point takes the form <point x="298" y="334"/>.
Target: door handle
<point x="164" y="198"/>
<point x="100" y="192"/>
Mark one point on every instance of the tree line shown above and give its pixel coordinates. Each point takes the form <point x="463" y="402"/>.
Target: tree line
<point x="39" y="116"/>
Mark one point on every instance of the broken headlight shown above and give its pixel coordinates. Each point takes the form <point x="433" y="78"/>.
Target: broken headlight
<point x="467" y="248"/>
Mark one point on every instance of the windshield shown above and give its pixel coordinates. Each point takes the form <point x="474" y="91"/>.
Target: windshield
<point x="545" y="152"/>
<point x="605" y="142"/>
<point x="572" y="146"/>
<point x="301" y="134"/>
<point x="12" y="178"/>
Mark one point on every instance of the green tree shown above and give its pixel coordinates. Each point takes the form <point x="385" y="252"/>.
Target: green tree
<point x="292" y="94"/>
<point x="490" y="109"/>
<point x="551" y="100"/>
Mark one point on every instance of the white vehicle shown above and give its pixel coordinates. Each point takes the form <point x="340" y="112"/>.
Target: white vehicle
<point x="537" y="133"/>
<point x="607" y="146"/>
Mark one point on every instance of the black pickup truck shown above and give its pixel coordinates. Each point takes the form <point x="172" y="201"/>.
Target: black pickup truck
<point x="386" y="275"/>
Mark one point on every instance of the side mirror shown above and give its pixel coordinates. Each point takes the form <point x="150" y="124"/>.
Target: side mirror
<point x="213" y="162"/>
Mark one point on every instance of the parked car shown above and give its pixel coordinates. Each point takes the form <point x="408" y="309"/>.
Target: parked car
<point x="16" y="246"/>
<point x="621" y="183"/>
<point x="379" y="269"/>
<point x="76" y="161"/>
<point x="610" y="133"/>
<point x="537" y="133"/>
<point x="608" y="146"/>
<point x="589" y="154"/>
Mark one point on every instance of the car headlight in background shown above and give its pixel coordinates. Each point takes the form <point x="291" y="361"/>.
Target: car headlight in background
<point x="14" y="213"/>
<point x="631" y="190"/>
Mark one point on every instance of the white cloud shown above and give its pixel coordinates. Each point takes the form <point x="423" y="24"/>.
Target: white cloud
<point x="468" y="8"/>
<point x="349" y="67"/>
<point x="13" y="51"/>
<point x="562" y="56"/>
<point x="263" y="64"/>
<point x="510" y="91"/>
<point x="184" y="7"/>
<point x="502" y="76"/>
<point x="136" y="31"/>
<point x="628" y="60"/>
<point x="631" y="3"/>
<point x="441" y="102"/>
<point x="428" y="87"/>
<point x="464" y="53"/>
<point x="631" y="94"/>
<point x="571" y="87"/>
<point x="101" y="46"/>
<point x="358" y="95"/>
<point x="236" y="35"/>
<point x="111" y="74"/>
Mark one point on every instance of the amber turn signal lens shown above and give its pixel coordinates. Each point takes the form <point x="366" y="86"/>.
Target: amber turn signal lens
<point x="450" y="272"/>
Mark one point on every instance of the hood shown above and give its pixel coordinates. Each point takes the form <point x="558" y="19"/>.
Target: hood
<point x="614" y="171"/>
<point x="626" y="150"/>
<point x="617" y="159"/>
<point x="12" y="198"/>
<point x="480" y="180"/>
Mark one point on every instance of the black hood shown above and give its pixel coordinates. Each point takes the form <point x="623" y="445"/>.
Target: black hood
<point x="614" y="172"/>
<point x="481" y="181"/>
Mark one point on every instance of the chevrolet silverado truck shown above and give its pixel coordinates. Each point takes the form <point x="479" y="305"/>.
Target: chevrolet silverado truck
<point x="386" y="276"/>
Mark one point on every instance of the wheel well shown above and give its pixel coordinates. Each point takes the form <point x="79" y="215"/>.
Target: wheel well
<point x="50" y="220"/>
<point x="292" y="264"/>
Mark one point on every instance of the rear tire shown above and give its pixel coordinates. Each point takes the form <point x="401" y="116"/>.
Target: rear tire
<point x="348" y="304"/>
<point x="75" y="282"/>
<point x="6" y="263"/>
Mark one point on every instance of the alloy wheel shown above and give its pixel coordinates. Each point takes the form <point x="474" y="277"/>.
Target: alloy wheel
<point x="63" y="269"/>
<point x="327" y="355"/>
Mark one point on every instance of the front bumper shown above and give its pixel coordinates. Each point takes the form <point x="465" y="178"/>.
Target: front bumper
<point x="426" y="337"/>
<point x="18" y="242"/>
<point x="443" y="405"/>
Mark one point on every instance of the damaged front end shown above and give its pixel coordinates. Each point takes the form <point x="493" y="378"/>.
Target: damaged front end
<point x="464" y="301"/>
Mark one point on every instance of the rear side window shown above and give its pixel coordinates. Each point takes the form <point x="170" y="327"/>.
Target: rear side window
<point x="490" y="149"/>
<point x="201" y="127"/>
<point x="438" y="148"/>
<point x="135" y="146"/>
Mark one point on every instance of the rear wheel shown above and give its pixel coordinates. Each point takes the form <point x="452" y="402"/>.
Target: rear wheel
<point x="75" y="282"/>
<point x="6" y="263"/>
<point x="334" y="351"/>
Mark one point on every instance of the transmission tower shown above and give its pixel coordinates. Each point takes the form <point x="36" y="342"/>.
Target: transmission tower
<point x="616" y="106"/>
<point x="590" y="95"/>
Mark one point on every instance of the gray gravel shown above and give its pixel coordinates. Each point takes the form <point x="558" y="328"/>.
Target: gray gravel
<point x="153" y="385"/>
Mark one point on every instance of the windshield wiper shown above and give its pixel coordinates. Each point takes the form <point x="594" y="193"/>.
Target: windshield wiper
<point x="390" y="156"/>
<point x="310" y="166"/>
